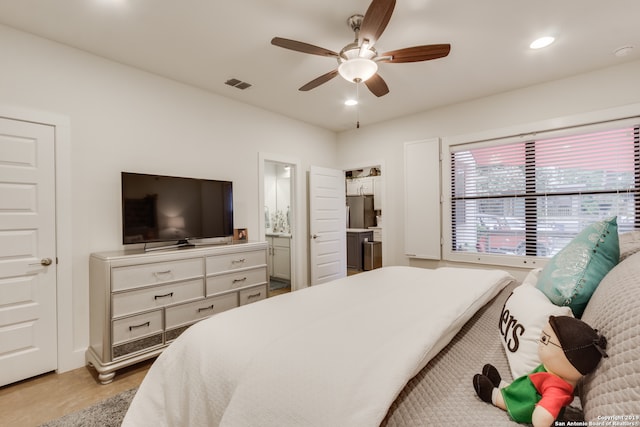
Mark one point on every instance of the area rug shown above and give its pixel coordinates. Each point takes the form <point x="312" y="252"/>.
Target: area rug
<point x="107" y="413"/>
<point x="275" y="284"/>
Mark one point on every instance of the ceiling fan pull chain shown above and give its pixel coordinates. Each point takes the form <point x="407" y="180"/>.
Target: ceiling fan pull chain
<point x="357" y="105"/>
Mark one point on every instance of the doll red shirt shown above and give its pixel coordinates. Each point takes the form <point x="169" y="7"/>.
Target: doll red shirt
<point x="556" y="392"/>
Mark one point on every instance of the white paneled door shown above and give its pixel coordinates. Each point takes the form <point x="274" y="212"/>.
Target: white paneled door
<point x="28" y="343"/>
<point x="327" y="223"/>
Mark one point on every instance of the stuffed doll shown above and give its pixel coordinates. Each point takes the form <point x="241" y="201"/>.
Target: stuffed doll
<point x="568" y="349"/>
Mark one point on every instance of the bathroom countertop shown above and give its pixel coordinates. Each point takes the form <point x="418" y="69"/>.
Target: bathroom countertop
<point x="288" y="235"/>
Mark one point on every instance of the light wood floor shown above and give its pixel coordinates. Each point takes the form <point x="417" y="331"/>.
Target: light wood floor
<point x="46" y="397"/>
<point x="352" y="271"/>
<point x="275" y="292"/>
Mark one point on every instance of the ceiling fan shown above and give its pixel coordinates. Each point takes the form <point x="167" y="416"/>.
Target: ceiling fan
<point x="358" y="61"/>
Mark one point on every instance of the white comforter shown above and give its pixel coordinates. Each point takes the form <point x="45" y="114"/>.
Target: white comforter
<point x="336" y="354"/>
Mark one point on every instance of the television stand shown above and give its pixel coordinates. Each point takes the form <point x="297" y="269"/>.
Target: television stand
<point x="141" y="302"/>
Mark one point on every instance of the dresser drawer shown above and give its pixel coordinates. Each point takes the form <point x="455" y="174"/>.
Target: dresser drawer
<point x="226" y="262"/>
<point x="182" y="314"/>
<point x="131" y="328"/>
<point x="247" y="296"/>
<point x="136" y="276"/>
<point x="130" y="302"/>
<point x="235" y="280"/>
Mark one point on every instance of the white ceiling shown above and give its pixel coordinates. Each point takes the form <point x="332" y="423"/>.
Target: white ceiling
<point x="204" y="43"/>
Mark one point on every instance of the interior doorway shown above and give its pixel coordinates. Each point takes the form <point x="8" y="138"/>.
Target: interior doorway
<point x="277" y="225"/>
<point x="278" y="177"/>
<point x="327" y="225"/>
<point x="69" y="354"/>
<point x="364" y="199"/>
<point x="28" y="270"/>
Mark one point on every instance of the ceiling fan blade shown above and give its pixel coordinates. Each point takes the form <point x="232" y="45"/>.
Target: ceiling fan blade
<point x="320" y="80"/>
<point x="375" y="20"/>
<point x="417" y="53"/>
<point x="302" y="47"/>
<point x="377" y="85"/>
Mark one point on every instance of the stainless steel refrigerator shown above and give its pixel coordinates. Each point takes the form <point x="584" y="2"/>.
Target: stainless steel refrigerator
<point x="360" y="212"/>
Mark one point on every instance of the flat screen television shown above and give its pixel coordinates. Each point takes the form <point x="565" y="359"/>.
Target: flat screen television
<point x="157" y="208"/>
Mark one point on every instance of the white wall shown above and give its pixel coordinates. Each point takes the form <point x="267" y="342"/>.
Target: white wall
<point x="604" y="89"/>
<point x="122" y="118"/>
<point x="126" y="119"/>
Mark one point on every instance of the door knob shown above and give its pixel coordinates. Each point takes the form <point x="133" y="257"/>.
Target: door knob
<point x="46" y="261"/>
<point x="315" y="236"/>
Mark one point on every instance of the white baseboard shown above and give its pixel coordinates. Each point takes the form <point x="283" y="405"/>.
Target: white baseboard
<point x="70" y="361"/>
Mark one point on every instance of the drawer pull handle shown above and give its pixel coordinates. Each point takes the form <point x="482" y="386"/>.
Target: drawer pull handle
<point x="161" y="273"/>
<point x="200" y="310"/>
<point x="238" y="261"/>
<point x="169" y="295"/>
<point x="254" y="295"/>
<point x="143" y="325"/>
<point x="239" y="280"/>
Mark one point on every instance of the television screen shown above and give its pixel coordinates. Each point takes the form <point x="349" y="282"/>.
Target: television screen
<point x="159" y="208"/>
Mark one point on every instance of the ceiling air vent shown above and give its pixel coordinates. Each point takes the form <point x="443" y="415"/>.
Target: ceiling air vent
<point x="237" y="84"/>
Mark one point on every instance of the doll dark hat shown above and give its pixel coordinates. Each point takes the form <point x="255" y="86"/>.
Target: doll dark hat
<point x="583" y="345"/>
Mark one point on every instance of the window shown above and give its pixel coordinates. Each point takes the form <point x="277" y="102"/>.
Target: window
<point x="531" y="196"/>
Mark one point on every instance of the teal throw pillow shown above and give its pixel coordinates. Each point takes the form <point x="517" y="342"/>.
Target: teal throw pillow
<point x="574" y="273"/>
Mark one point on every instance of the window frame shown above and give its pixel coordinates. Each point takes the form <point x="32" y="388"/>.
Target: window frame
<point x="552" y="128"/>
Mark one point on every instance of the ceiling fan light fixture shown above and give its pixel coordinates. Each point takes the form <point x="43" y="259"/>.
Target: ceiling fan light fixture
<point x="358" y="69"/>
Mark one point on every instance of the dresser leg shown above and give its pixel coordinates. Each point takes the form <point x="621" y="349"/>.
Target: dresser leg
<point x="106" y="378"/>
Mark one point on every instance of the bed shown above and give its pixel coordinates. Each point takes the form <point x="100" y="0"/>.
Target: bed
<point x="335" y="354"/>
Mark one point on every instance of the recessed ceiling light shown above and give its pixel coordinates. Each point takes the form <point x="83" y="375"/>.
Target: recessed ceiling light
<point x="350" y="102"/>
<point x="542" y="42"/>
<point x="623" y="51"/>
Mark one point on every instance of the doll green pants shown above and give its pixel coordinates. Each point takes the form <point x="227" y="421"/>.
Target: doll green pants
<point x="521" y="396"/>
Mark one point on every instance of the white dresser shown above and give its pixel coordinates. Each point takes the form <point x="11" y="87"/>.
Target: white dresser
<point x="140" y="302"/>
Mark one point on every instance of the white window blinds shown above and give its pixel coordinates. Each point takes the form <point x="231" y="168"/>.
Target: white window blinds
<point x="532" y="197"/>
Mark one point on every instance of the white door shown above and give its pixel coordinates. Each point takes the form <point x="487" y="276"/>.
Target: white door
<point x="28" y="343"/>
<point x="327" y="223"/>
